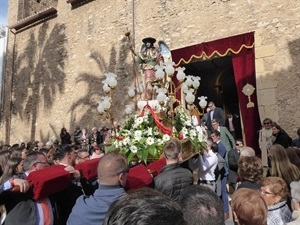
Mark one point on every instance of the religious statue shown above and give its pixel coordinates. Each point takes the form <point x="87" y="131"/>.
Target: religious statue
<point x="148" y="58"/>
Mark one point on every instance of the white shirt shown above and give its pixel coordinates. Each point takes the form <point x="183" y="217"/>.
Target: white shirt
<point x="208" y="163"/>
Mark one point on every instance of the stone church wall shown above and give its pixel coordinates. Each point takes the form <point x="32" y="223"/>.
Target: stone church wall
<point x="54" y="70"/>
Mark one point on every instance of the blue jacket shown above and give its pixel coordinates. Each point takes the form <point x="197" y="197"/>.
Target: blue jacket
<point x="91" y="210"/>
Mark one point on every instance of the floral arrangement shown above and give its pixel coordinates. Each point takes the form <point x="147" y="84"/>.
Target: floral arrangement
<point x="141" y="139"/>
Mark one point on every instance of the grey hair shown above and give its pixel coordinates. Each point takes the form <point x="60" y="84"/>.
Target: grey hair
<point x="247" y="151"/>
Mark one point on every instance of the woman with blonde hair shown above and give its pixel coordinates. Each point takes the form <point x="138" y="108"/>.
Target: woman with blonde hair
<point x="275" y="192"/>
<point x="281" y="165"/>
<point x="249" y="207"/>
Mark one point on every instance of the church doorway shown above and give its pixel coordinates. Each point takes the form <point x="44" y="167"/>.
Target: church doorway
<point x="217" y="82"/>
<point x="227" y="67"/>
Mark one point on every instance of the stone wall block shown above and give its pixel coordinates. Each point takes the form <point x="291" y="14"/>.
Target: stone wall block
<point x="265" y="51"/>
<point x="268" y="96"/>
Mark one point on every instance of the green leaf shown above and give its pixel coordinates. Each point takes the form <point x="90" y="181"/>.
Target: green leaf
<point x="130" y="157"/>
<point x="152" y="151"/>
<point x="112" y="148"/>
<point x="145" y="155"/>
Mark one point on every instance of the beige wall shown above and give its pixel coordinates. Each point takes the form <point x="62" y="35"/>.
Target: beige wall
<point x="58" y="82"/>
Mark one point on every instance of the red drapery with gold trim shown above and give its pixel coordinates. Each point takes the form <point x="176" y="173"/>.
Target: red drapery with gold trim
<point x="241" y="48"/>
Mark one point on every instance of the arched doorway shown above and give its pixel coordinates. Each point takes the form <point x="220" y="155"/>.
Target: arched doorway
<point x="238" y="51"/>
<point x="217" y="83"/>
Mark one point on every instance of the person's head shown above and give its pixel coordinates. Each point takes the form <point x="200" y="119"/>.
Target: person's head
<point x="274" y="190"/>
<point x="4" y="156"/>
<point x="211" y="105"/>
<point x="247" y="151"/>
<point x="77" y="128"/>
<point x="249" y="207"/>
<point x="239" y="144"/>
<point x="292" y="155"/>
<point x="94" y="130"/>
<point x="276" y="128"/>
<point x="267" y="123"/>
<point x="172" y="150"/>
<point x="201" y="206"/>
<point x="144" y="206"/>
<point x="209" y="142"/>
<point x="82" y="155"/>
<point x="298" y="132"/>
<point x="113" y="169"/>
<point x="149" y="42"/>
<point x="250" y="169"/>
<point x="49" y="144"/>
<point x="13" y="167"/>
<point x="66" y="154"/>
<point x="63" y="130"/>
<point x="17" y="152"/>
<point x="214" y="147"/>
<point x="281" y="165"/>
<point x="215" y="124"/>
<point x="295" y="194"/>
<point x="97" y="149"/>
<point x="35" y="161"/>
<point x="215" y="135"/>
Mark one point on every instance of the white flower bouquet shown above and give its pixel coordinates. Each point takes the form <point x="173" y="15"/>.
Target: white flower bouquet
<point x="141" y="139"/>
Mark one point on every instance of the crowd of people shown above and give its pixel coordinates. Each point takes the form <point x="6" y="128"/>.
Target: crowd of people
<point x="265" y="187"/>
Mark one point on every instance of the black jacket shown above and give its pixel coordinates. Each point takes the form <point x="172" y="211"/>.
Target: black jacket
<point x="233" y="158"/>
<point x="173" y="180"/>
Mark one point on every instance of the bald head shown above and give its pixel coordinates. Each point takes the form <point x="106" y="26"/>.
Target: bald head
<point x="110" y="166"/>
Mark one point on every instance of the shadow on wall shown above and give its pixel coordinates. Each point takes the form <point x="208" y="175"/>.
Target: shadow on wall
<point x="288" y="91"/>
<point x="39" y="74"/>
<point x="117" y="64"/>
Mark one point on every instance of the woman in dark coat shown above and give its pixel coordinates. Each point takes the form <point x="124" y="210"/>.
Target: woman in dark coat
<point x="65" y="136"/>
<point x="281" y="137"/>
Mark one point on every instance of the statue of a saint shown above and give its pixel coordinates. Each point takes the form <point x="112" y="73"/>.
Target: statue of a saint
<point x="148" y="58"/>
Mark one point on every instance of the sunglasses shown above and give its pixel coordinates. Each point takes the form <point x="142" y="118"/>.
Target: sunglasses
<point x="123" y="171"/>
<point x="267" y="123"/>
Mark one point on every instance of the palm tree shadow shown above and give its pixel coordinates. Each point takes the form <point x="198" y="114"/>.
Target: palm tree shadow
<point x="118" y="65"/>
<point x="39" y="74"/>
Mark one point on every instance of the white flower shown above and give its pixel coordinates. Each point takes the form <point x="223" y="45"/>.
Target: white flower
<point x="184" y="131"/>
<point x="188" y="123"/>
<point x="149" y="131"/>
<point x="138" y="135"/>
<point x="139" y="121"/>
<point x="200" y="137"/>
<point x="150" y="141"/>
<point x="126" y="141"/>
<point x="133" y="149"/>
<point x="160" y="141"/>
<point x="166" y="137"/>
<point x="193" y="133"/>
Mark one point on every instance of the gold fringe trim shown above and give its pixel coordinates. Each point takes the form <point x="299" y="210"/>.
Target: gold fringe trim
<point x="214" y="53"/>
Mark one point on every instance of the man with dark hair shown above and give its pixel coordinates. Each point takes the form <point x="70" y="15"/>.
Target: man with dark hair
<point x="173" y="178"/>
<point x="201" y="206"/>
<point x="215" y="113"/>
<point x="144" y="206"/>
<point x="215" y="135"/>
<point x="112" y="174"/>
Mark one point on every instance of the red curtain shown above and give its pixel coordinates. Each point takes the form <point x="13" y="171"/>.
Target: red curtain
<point x="241" y="48"/>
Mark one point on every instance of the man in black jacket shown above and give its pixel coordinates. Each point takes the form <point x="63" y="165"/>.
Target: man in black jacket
<point x="173" y="178"/>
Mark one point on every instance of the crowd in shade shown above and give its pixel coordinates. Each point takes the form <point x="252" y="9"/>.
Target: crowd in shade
<point x="226" y="180"/>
